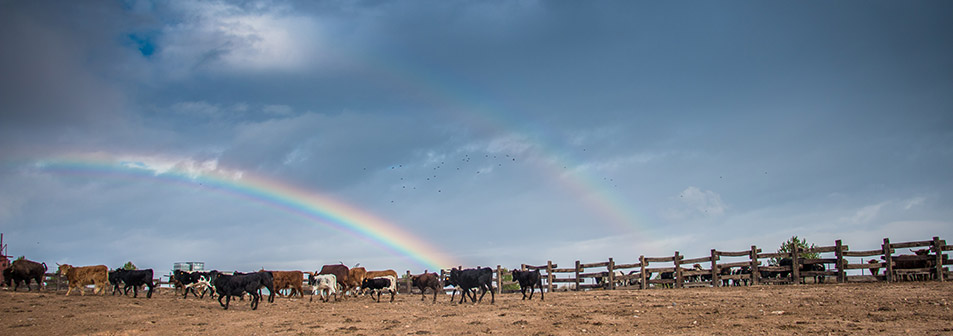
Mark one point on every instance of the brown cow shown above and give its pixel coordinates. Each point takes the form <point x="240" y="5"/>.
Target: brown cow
<point x="79" y="277"/>
<point x="288" y="280"/>
<point x="25" y="270"/>
<point x="355" y="278"/>
<point x="340" y="272"/>
<point x="424" y="281"/>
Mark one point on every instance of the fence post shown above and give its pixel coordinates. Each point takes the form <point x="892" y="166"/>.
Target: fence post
<point x="611" y="268"/>
<point x="410" y="289"/>
<point x="549" y="276"/>
<point x="578" y="270"/>
<point x="938" y="250"/>
<point x="678" y="271"/>
<point x="714" y="269"/>
<point x="499" y="279"/>
<point x="839" y="253"/>
<point x="888" y="261"/>
<point x="795" y="264"/>
<point x="642" y="262"/>
<point x="755" y="273"/>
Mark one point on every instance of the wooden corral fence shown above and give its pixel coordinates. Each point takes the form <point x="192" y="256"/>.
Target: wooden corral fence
<point x="719" y="268"/>
<point x="748" y="267"/>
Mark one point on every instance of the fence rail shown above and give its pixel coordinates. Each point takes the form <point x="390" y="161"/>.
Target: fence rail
<point x="711" y="270"/>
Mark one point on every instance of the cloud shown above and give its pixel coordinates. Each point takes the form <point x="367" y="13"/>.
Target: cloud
<point x="221" y="36"/>
<point x="694" y="202"/>
<point x="865" y="215"/>
<point x="913" y="202"/>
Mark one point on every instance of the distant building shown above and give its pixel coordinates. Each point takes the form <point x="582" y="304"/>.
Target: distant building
<point x="189" y="266"/>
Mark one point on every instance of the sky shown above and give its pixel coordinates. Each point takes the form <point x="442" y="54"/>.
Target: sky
<point x="413" y="135"/>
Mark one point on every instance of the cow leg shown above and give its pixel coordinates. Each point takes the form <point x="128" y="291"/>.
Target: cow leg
<point x="392" y="293"/>
<point x="68" y="290"/>
<point x="254" y="299"/>
<point x="220" y="297"/>
<point x="435" y="295"/>
<point x="540" y="285"/>
<point x="531" y="290"/>
<point x="135" y="291"/>
<point x="149" y="295"/>
<point x="228" y="300"/>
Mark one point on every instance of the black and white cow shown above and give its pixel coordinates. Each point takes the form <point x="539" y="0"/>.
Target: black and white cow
<point x="379" y="284"/>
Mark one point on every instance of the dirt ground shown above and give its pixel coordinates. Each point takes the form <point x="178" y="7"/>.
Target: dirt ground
<point x="909" y="308"/>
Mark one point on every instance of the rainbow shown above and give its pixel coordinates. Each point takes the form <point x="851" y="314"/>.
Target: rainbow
<point x="454" y="97"/>
<point x="320" y="209"/>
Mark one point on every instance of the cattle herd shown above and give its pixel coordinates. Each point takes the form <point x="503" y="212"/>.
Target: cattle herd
<point x="335" y="281"/>
<point x="339" y="281"/>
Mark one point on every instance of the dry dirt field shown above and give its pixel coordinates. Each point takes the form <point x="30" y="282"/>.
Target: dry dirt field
<point x="905" y="308"/>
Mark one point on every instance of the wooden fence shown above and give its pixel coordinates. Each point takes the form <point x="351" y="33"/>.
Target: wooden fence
<point x="710" y="270"/>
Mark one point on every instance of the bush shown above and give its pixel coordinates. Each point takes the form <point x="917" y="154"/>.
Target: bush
<point x="788" y="246"/>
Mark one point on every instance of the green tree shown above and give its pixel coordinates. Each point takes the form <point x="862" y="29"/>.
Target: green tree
<point x="129" y="266"/>
<point x="802" y="245"/>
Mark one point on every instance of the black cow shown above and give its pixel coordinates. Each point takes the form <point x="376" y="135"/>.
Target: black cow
<point x="378" y="285"/>
<point x="114" y="280"/>
<point x="449" y="282"/>
<point x="236" y="285"/>
<point x="481" y="278"/>
<point x="23" y="270"/>
<point x="528" y="279"/>
<point x="424" y="281"/>
<point x="134" y="279"/>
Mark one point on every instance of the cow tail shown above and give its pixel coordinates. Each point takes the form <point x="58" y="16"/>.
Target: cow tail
<point x="44" y="267"/>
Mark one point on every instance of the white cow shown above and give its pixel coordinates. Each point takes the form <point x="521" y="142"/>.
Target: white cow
<point x="324" y="283"/>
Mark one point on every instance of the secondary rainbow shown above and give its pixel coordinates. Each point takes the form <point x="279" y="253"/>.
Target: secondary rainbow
<point x="319" y="209"/>
<point x="454" y="97"/>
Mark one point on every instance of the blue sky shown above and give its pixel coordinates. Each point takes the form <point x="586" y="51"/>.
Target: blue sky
<point x="500" y="132"/>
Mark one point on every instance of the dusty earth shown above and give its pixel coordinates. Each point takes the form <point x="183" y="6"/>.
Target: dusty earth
<point x="906" y="308"/>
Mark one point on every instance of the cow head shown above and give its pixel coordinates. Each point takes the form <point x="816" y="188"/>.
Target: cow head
<point x="922" y="252"/>
<point x="63" y="269"/>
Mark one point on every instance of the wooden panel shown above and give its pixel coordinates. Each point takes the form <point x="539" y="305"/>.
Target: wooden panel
<point x="564" y="280"/>
<point x="594" y="274"/>
<point x="818" y="261"/>
<point x="912" y="270"/>
<point x="735" y="277"/>
<point x="867" y="253"/>
<point x="564" y="270"/>
<point x="660" y="259"/>
<point x="598" y="264"/>
<point x="733" y="254"/>
<point x="911" y="244"/>
<point x="696" y="260"/>
<point x="947" y="247"/>
<point x="817" y="273"/>
<point x="910" y="257"/>
<point x="694" y="272"/>
<point x="863" y="266"/>
<point x="822" y="249"/>
<point x="660" y="269"/>
<point x="625" y="266"/>
<point x="775" y="268"/>
<point x="662" y="281"/>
